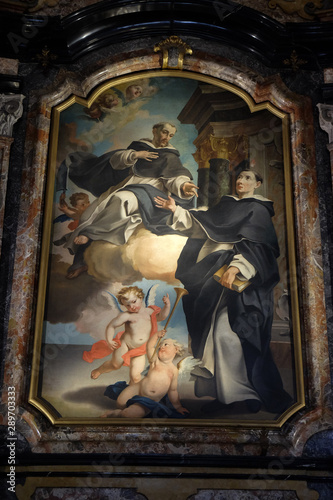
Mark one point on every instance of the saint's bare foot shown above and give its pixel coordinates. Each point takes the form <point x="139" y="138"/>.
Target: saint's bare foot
<point x="76" y="272"/>
<point x="81" y="240"/>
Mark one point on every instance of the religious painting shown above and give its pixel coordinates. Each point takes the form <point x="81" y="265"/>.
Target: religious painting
<point x="167" y="285"/>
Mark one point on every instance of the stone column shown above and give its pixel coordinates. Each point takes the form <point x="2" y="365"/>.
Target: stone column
<point x="10" y="111"/>
<point x="219" y="180"/>
<point x="202" y="156"/>
<point x="219" y="175"/>
<point x="326" y="124"/>
<point x="203" y="183"/>
<point x="212" y="156"/>
<point x="220" y="118"/>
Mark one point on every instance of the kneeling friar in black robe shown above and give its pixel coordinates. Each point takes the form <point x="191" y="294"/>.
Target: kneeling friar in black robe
<point x="231" y="331"/>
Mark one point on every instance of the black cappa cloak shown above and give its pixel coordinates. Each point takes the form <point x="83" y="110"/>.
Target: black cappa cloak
<point x="95" y="173"/>
<point x="167" y="164"/>
<point x="247" y="224"/>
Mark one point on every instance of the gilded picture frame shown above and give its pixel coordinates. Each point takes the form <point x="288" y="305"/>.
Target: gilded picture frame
<point x="219" y="132"/>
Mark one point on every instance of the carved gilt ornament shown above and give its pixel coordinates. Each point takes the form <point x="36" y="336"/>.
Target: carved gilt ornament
<point x="173" y="49"/>
<point x="304" y="8"/>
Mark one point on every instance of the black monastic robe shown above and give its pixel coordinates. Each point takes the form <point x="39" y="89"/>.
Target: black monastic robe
<point x="247" y="224"/>
<point x="95" y="173"/>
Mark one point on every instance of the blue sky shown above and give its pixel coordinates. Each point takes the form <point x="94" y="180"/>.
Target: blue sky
<point x="135" y="120"/>
<point x="118" y="129"/>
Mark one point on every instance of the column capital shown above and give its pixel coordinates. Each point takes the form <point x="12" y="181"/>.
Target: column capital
<point x="11" y="110"/>
<point x="326" y="119"/>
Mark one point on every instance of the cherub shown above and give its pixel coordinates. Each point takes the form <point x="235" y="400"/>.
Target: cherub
<point x="102" y="104"/>
<point x="140" y="322"/>
<point x="139" y="90"/>
<point x="79" y="201"/>
<point x="133" y="92"/>
<point x="138" y="400"/>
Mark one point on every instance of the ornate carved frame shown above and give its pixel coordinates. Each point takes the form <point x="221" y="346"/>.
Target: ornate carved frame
<point x="147" y="438"/>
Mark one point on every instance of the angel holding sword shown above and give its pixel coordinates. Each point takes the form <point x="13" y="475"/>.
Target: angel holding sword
<point x="128" y="347"/>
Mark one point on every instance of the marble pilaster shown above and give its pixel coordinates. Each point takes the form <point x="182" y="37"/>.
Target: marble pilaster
<point x="5" y="144"/>
<point x="11" y="110"/>
<point x="326" y="124"/>
<point x="8" y="66"/>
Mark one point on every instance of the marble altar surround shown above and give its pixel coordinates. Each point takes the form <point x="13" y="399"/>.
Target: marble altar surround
<point x="150" y="438"/>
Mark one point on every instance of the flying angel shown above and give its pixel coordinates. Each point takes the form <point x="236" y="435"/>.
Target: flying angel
<point x="128" y="347"/>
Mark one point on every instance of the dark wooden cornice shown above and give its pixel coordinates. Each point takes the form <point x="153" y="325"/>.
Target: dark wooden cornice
<point x="109" y="22"/>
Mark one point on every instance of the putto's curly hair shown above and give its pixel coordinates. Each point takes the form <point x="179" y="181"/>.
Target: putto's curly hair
<point x="78" y="196"/>
<point x="180" y="347"/>
<point x="125" y="292"/>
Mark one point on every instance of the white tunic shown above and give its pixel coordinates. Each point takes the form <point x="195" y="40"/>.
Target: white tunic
<point x="115" y="215"/>
<point x="222" y="372"/>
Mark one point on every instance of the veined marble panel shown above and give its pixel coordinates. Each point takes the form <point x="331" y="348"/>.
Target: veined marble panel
<point x="8" y="66"/>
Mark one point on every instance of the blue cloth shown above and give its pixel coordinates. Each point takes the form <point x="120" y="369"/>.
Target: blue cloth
<point x="113" y="391"/>
<point x="157" y="409"/>
<point x="62" y="218"/>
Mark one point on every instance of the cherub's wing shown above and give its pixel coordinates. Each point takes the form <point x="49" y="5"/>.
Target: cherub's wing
<point x="112" y="300"/>
<point x="282" y="308"/>
<point x="151" y="295"/>
<point x="185" y="367"/>
<point x="119" y="94"/>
